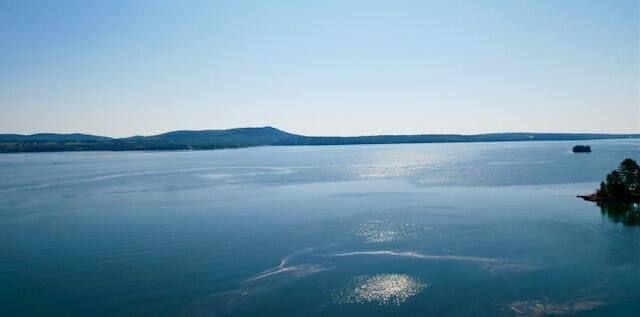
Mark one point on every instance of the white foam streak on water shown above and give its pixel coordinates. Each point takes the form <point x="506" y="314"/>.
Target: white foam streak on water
<point x="493" y="265"/>
<point x="418" y="255"/>
<point x="302" y="269"/>
<point x="276" y="271"/>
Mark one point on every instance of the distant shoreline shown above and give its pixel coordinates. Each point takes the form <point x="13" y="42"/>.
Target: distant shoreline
<point x="253" y="137"/>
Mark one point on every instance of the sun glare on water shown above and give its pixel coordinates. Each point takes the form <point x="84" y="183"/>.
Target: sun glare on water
<point x="384" y="289"/>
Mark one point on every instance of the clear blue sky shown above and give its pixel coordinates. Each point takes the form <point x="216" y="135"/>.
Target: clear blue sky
<point x="342" y="67"/>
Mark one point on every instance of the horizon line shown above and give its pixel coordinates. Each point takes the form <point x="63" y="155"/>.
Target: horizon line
<point x="329" y="136"/>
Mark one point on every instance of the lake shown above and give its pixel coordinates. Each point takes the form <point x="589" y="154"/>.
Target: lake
<point x="477" y="229"/>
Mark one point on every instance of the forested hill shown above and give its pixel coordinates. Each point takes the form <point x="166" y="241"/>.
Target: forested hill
<point x="247" y="137"/>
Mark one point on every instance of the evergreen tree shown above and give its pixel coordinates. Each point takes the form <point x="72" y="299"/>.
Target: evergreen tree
<point x="623" y="184"/>
<point x="630" y="174"/>
<point x="602" y="192"/>
<point x="615" y="187"/>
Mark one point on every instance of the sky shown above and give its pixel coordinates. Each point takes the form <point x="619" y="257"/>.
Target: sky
<point x="344" y="67"/>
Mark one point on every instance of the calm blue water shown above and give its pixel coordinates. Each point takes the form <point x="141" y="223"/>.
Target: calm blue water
<point x="478" y="229"/>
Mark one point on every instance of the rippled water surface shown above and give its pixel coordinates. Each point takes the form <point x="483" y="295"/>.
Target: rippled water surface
<point x="479" y="229"/>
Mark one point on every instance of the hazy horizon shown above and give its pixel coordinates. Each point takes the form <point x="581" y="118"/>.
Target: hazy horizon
<point x="294" y="132"/>
<point x="334" y="68"/>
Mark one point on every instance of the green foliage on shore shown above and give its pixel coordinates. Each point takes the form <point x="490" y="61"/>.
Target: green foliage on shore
<point x="623" y="184"/>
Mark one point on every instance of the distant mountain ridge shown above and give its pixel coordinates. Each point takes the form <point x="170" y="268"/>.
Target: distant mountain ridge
<point x="247" y="137"/>
<point x="53" y="137"/>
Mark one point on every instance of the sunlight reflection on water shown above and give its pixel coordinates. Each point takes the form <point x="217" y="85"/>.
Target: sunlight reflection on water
<point x="384" y="289"/>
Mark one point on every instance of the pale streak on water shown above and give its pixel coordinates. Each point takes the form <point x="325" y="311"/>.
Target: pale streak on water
<point x="418" y="255"/>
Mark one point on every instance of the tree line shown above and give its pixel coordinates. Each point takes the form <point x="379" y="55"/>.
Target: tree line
<point x="622" y="184"/>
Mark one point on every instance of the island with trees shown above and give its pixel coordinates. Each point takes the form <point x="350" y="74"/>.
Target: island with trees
<point x="581" y="149"/>
<point x="619" y="195"/>
<point x="620" y="186"/>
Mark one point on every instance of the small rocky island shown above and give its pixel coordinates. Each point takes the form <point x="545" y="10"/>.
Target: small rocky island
<point x="581" y="149"/>
<point x="620" y="186"/>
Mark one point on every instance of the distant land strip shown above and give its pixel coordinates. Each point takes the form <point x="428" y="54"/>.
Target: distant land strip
<point x="248" y="137"/>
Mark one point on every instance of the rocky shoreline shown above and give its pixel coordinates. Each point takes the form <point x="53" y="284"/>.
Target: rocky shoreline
<point x="596" y="198"/>
<point x="591" y="197"/>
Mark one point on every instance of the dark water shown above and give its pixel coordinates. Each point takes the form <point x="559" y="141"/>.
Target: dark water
<point x="479" y="229"/>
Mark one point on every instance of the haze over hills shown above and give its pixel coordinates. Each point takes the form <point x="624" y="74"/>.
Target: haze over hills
<point x="45" y="137"/>
<point x="247" y="137"/>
